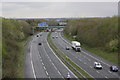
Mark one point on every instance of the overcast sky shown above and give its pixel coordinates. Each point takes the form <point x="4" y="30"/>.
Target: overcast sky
<point x="58" y="9"/>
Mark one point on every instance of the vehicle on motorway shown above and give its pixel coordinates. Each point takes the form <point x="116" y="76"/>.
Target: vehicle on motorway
<point x="39" y="43"/>
<point x="67" y="48"/>
<point x="68" y="76"/>
<point x="40" y="34"/>
<point x="97" y="65"/>
<point x="56" y="36"/>
<point x="37" y="36"/>
<point x="76" y="46"/>
<point x="52" y="36"/>
<point x="114" y="68"/>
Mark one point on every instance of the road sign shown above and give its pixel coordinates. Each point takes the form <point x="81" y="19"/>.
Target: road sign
<point x="43" y="24"/>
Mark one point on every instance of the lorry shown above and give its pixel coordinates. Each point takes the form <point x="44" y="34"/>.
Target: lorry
<point x="76" y="46"/>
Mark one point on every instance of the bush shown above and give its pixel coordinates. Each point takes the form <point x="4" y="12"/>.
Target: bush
<point x="15" y="32"/>
<point x="95" y="32"/>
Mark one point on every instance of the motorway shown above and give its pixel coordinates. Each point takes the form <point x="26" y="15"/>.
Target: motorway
<point x="42" y="62"/>
<point x="85" y="59"/>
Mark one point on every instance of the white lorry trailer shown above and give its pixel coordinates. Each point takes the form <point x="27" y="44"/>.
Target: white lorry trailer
<point x="76" y="46"/>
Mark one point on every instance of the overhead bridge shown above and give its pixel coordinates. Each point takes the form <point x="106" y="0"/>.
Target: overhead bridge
<point x="51" y="26"/>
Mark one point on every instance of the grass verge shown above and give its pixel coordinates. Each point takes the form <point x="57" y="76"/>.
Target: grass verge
<point x="21" y="58"/>
<point x="113" y="56"/>
<point x="70" y="64"/>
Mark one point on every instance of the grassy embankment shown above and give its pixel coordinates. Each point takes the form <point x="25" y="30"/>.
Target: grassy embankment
<point x="15" y="35"/>
<point x="97" y="35"/>
<point x="66" y="60"/>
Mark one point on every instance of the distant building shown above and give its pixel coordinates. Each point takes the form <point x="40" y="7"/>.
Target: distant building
<point x="62" y="23"/>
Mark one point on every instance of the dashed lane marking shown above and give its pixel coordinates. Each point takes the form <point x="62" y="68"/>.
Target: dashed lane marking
<point x="60" y="60"/>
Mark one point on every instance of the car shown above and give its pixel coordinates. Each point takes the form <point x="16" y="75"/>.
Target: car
<point x="37" y="36"/>
<point x="114" y="68"/>
<point x="40" y="34"/>
<point x="56" y="36"/>
<point x="97" y="65"/>
<point x="67" y="48"/>
<point x="39" y="43"/>
<point x="52" y="36"/>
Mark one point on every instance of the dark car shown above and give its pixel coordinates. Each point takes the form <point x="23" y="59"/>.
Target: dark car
<point x="39" y="43"/>
<point x="52" y="36"/>
<point x="114" y="68"/>
<point x="37" y="36"/>
<point x="40" y="34"/>
<point x="67" y="48"/>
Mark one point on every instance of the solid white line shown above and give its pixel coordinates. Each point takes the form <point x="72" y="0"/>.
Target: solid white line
<point x="85" y="52"/>
<point x="32" y="63"/>
<point x="60" y="60"/>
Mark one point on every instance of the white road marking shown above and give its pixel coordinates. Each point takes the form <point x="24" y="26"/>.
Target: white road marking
<point x="41" y="60"/>
<point x="51" y="61"/>
<point x="75" y="63"/>
<point x="90" y="66"/>
<point x="95" y="58"/>
<point x="88" y="59"/>
<point x="42" y="64"/>
<point x="44" y="68"/>
<point x="61" y="61"/>
<point x="109" y="72"/>
<point x="46" y="72"/>
<point x="86" y="53"/>
<point x="84" y="63"/>
<point x="32" y="63"/>
<point x="80" y="59"/>
<point x="106" y="77"/>
<point x="97" y="71"/>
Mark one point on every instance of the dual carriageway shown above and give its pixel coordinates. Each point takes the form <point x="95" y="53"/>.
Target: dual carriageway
<point x="42" y="62"/>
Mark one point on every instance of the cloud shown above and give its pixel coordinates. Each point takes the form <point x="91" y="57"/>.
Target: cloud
<point x="60" y="0"/>
<point x="58" y="9"/>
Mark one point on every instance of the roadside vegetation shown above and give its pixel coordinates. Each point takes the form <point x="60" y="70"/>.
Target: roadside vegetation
<point x="14" y="37"/>
<point x="97" y="35"/>
<point x="68" y="62"/>
<point x="0" y="47"/>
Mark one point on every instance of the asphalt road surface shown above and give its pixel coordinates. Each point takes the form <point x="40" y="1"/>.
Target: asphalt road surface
<point x="41" y="61"/>
<point x="85" y="59"/>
